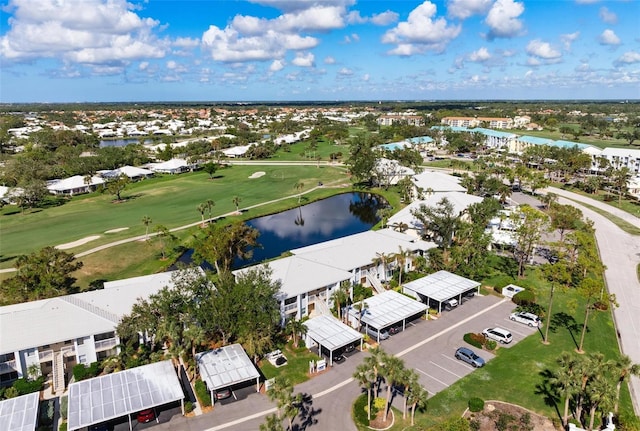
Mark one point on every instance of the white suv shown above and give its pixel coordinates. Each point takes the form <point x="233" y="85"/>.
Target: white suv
<point x="526" y="318"/>
<point x="498" y="334"/>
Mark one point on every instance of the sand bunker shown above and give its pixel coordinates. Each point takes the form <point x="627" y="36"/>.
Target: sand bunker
<point x="77" y="243"/>
<point x="120" y="229"/>
<point x="257" y="174"/>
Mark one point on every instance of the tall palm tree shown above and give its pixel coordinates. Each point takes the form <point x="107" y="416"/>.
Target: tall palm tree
<point x="280" y="392"/>
<point x="236" y="201"/>
<point x="366" y="378"/>
<point x="601" y="396"/>
<point x="146" y="221"/>
<point x="402" y="256"/>
<point x="417" y="397"/>
<point x="586" y="370"/>
<point x="565" y="379"/>
<point x="382" y="259"/>
<point x="620" y="180"/>
<point x="272" y="423"/>
<point x="201" y="209"/>
<point x="361" y="307"/>
<point x="408" y="379"/>
<point x="209" y="203"/>
<point x="375" y="362"/>
<point x="340" y="296"/>
<point x="625" y="369"/>
<point x="393" y="369"/>
<point x="299" y="186"/>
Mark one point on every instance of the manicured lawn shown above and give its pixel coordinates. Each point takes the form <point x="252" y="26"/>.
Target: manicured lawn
<point x="297" y="368"/>
<point x="168" y="200"/>
<point x="596" y="142"/>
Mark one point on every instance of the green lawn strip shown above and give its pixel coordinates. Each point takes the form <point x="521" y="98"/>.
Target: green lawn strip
<point x="622" y="224"/>
<point x="516" y="375"/>
<point x="301" y="151"/>
<point x="170" y="201"/>
<point x="297" y="368"/>
<point x="632" y="206"/>
<point x="596" y="142"/>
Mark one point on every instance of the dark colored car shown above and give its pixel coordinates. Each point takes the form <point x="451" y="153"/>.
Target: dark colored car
<point x="104" y="426"/>
<point x="393" y="330"/>
<point x="350" y="348"/>
<point x="339" y="358"/>
<point x="147" y="415"/>
<point x="469" y="356"/>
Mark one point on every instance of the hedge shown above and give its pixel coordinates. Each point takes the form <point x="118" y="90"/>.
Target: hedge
<point x="524" y="297"/>
<point x="203" y="394"/>
<point x="25" y="386"/>
<point x="476" y="404"/>
<point x="476" y="340"/>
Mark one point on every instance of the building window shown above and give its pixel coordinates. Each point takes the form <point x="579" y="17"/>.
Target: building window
<point x="80" y="341"/>
<point x="82" y="359"/>
<point x="7" y="357"/>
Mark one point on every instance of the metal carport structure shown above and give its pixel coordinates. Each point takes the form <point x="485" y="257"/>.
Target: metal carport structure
<point x="20" y="413"/>
<point x="225" y="367"/>
<point x="103" y="398"/>
<point x="331" y="334"/>
<point x="441" y="286"/>
<point x="387" y="308"/>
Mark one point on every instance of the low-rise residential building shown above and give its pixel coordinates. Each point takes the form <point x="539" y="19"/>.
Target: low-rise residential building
<point x="623" y="158"/>
<point x="411" y="120"/>
<point x="75" y="185"/>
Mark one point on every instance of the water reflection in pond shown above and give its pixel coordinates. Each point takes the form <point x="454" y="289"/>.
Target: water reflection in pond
<point x="319" y="221"/>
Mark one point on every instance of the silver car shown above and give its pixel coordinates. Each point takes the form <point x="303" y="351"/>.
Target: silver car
<point x="526" y="318"/>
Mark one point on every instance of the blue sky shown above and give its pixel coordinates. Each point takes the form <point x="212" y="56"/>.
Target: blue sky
<point x="286" y="50"/>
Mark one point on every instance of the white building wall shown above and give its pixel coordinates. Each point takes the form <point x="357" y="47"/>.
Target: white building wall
<point x="85" y="350"/>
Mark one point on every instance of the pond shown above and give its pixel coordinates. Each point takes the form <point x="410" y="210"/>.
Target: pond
<point x="121" y="142"/>
<point x="323" y="220"/>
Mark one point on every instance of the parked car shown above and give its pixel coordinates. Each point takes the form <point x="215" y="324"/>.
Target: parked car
<point x="339" y="358"/>
<point x="451" y="303"/>
<point x="393" y="330"/>
<point x="104" y="426"/>
<point x="374" y="334"/>
<point x="499" y="334"/>
<point x="145" y="416"/>
<point x="469" y="356"/>
<point x="223" y="394"/>
<point x="526" y="318"/>
<point x="350" y="348"/>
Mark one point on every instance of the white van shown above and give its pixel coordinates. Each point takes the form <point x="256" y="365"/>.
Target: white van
<point x="501" y="335"/>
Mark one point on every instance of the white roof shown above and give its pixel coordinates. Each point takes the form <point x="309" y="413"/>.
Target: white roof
<point x="49" y="321"/>
<point x="20" y="413"/>
<point x="298" y="275"/>
<point x="441" y="285"/>
<point x="239" y="150"/>
<point x="387" y="308"/>
<point x="75" y="182"/>
<point x="621" y="152"/>
<point x="100" y="399"/>
<point x="225" y="366"/>
<point x="130" y="171"/>
<point x="438" y="182"/>
<point x="359" y="250"/>
<point x="169" y="165"/>
<point x="460" y="202"/>
<point x="331" y="333"/>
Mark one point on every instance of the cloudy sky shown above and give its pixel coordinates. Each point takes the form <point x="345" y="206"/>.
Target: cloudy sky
<point x="285" y="50"/>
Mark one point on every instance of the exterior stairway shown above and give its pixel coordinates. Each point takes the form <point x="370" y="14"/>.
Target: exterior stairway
<point x="321" y="307"/>
<point x="375" y="283"/>
<point x="58" y="372"/>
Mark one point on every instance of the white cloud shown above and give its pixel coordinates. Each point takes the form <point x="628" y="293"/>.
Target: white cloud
<point x="295" y="5"/>
<point x="463" y="9"/>
<point x="277" y="65"/>
<point x="480" y="55"/>
<point x="143" y="65"/>
<point x="185" y="42"/>
<point x="354" y="17"/>
<point x="629" y="57"/>
<point x="385" y="18"/>
<point x="329" y="60"/>
<point x="304" y="60"/>
<point x="92" y="32"/>
<point x="171" y="64"/>
<point x="568" y="39"/>
<point x="607" y="16"/>
<point x="366" y="77"/>
<point x="609" y="37"/>
<point x="345" y="71"/>
<point x="503" y="20"/>
<point x="542" y="50"/>
<point x="587" y="1"/>
<point x="421" y="32"/>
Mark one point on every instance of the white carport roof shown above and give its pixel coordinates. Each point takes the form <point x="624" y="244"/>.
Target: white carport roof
<point x="387" y="308"/>
<point x="20" y="413"/>
<point x="115" y="395"/>
<point x="438" y="182"/>
<point x="442" y="285"/>
<point x="298" y="275"/>
<point x="460" y="202"/>
<point x="225" y="366"/>
<point x="331" y="333"/>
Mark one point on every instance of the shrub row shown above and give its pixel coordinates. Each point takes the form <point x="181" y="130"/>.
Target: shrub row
<point x="81" y="372"/>
<point x="203" y="394"/>
<point x="476" y="340"/>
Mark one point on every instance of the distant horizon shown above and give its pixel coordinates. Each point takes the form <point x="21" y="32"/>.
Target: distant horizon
<point x="104" y="51"/>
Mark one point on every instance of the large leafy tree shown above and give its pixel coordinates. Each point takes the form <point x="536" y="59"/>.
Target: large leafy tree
<point x="220" y="244"/>
<point x="440" y="223"/>
<point x="43" y="274"/>
<point x="530" y="224"/>
<point x="362" y="159"/>
<point x="564" y="218"/>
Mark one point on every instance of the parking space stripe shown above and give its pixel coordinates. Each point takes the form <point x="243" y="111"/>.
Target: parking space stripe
<point x="433" y="378"/>
<point x="445" y="369"/>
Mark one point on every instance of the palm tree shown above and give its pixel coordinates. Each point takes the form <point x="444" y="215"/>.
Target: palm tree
<point x="565" y="380"/>
<point x="146" y="221"/>
<point x="209" y="203"/>
<point x="281" y="390"/>
<point x="408" y="379"/>
<point x="201" y="209"/>
<point x="299" y="186"/>
<point x="375" y="362"/>
<point x="272" y="423"/>
<point x="236" y="201"/>
<point x="620" y="180"/>
<point x="586" y="370"/>
<point x="601" y="396"/>
<point x="361" y="307"/>
<point x="393" y="369"/>
<point x="366" y="378"/>
<point x="401" y="257"/>
<point x="340" y="296"/>
<point x="625" y="369"/>
<point x="382" y="259"/>
<point x="417" y="396"/>
<point x="296" y="327"/>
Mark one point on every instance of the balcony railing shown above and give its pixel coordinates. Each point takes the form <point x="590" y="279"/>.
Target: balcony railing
<point x="107" y="344"/>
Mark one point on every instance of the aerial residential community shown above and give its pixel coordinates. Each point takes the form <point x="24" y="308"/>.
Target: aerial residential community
<point x="319" y="215"/>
